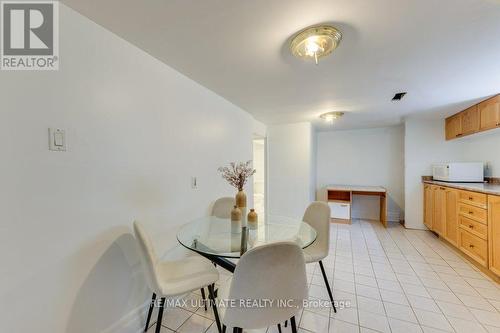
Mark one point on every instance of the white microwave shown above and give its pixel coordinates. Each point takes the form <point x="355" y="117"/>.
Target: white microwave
<point x="470" y="172"/>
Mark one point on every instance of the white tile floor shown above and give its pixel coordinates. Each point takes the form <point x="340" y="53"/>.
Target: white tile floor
<point x="396" y="280"/>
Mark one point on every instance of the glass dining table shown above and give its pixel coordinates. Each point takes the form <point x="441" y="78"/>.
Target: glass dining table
<point x="212" y="238"/>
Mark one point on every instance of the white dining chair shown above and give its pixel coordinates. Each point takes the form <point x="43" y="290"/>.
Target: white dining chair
<point x="173" y="277"/>
<point x="317" y="215"/>
<point x="273" y="271"/>
<point x="222" y="207"/>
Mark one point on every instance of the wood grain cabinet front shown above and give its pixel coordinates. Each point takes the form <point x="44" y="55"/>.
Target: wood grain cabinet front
<point x="470" y="120"/>
<point x="494" y="233"/>
<point x="453" y="127"/>
<point x="428" y="201"/>
<point x="474" y="247"/>
<point x="478" y="118"/>
<point x="439" y="207"/>
<point x="451" y="216"/>
<point x="474" y="199"/>
<point x="470" y="221"/>
<point x="489" y="113"/>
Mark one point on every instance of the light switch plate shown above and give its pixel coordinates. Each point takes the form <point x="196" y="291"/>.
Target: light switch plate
<point x="57" y="139"/>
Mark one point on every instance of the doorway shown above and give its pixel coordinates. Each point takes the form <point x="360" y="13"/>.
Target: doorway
<point x="259" y="178"/>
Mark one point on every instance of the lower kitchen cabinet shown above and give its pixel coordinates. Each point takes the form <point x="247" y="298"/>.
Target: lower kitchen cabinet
<point x="439" y="208"/>
<point x="494" y="233"/>
<point x="428" y="210"/>
<point x="474" y="247"/>
<point x="468" y="220"/>
<point x="451" y="216"/>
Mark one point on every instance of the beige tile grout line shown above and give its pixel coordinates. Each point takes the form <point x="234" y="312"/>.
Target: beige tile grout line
<point x="427" y="244"/>
<point x="411" y="306"/>
<point x="376" y="280"/>
<point x="481" y="324"/>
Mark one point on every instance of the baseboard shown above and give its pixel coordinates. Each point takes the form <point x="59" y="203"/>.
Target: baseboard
<point x="391" y="216"/>
<point x="131" y="322"/>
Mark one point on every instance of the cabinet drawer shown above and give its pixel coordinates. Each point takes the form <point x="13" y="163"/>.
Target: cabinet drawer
<point x="474" y="247"/>
<point x="473" y="212"/>
<point x="476" y="228"/>
<point x="473" y="198"/>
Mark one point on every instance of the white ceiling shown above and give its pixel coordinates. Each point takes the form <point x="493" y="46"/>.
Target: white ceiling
<point x="444" y="53"/>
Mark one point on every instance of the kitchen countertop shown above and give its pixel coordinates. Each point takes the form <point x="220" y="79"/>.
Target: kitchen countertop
<point x="474" y="187"/>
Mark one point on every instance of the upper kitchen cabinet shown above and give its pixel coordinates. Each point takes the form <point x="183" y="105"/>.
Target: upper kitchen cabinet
<point x="470" y="120"/>
<point x="489" y="113"/>
<point x="453" y="127"/>
<point x="477" y="118"/>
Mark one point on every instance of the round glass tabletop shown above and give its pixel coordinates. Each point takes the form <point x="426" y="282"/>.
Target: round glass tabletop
<point x="212" y="235"/>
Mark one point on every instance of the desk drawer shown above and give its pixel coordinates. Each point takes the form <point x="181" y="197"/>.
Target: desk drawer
<point x="340" y="210"/>
<point x="473" y="198"/>
<point x="474" y="213"/>
<point x="476" y="228"/>
<point x="474" y="247"/>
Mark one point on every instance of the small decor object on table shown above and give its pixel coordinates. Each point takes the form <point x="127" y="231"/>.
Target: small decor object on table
<point x="253" y="219"/>
<point x="235" y="220"/>
<point x="237" y="174"/>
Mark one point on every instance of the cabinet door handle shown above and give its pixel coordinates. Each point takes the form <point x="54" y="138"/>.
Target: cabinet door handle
<point x="471" y="212"/>
<point x="471" y="198"/>
<point x="471" y="226"/>
<point x="471" y="246"/>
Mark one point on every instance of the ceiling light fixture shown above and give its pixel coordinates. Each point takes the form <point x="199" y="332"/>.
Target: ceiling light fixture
<point x="329" y="117"/>
<point x="315" y="42"/>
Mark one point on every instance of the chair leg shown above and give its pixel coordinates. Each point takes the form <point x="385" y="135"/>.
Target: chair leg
<point x="279" y="328"/>
<point x="204" y="298"/>
<point x="211" y="295"/>
<point x="150" y="312"/>
<point x="160" y="315"/>
<point x="327" y="286"/>
<point x="294" y="326"/>
<point x="237" y="330"/>
<point x="286" y="323"/>
<point x="223" y="328"/>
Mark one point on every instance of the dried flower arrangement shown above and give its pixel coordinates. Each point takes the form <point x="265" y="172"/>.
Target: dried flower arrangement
<point x="237" y="174"/>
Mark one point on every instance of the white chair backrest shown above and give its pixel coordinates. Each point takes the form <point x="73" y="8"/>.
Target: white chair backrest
<point x="317" y="215"/>
<point x="222" y="207"/>
<point x="274" y="271"/>
<point x="148" y="256"/>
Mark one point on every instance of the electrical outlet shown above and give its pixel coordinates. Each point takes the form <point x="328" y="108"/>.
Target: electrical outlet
<point x="194" y="182"/>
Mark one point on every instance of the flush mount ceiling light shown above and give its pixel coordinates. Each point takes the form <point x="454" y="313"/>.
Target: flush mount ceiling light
<point x="329" y="117"/>
<point x="315" y="42"/>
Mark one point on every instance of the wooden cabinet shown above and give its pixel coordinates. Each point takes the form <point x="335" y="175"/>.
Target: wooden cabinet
<point x="489" y="113"/>
<point x="469" y="120"/>
<point x="453" y="127"/>
<point x="451" y="216"/>
<point x="477" y="118"/>
<point x="470" y="221"/>
<point x="439" y="207"/>
<point x="474" y="247"/>
<point x="494" y="233"/>
<point x="428" y="210"/>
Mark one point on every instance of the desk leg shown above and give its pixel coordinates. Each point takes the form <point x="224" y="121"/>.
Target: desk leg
<point x="383" y="210"/>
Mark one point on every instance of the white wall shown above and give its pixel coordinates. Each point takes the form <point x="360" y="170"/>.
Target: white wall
<point x="483" y="147"/>
<point x="291" y="168"/>
<point x="364" y="157"/>
<point x="425" y="145"/>
<point x="137" y="131"/>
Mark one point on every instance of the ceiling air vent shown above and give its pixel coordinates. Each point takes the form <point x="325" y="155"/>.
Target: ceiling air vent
<point x="399" y="96"/>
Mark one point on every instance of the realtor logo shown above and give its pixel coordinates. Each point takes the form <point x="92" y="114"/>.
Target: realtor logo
<point x="29" y="35"/>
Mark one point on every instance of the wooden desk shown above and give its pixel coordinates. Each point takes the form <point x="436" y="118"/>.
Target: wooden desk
<point x="344" y="193"/>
